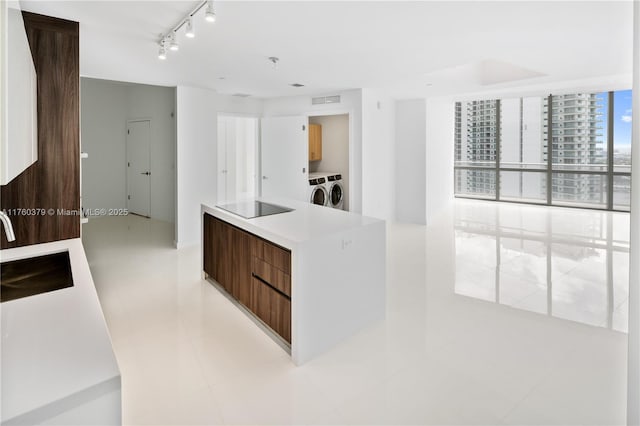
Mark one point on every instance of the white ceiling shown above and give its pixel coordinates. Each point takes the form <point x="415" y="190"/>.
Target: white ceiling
<point x="410" y="48"/>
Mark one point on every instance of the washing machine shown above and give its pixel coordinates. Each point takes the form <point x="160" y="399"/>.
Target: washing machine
<point x="317" y="192"/>
<point x="335" y="188"/>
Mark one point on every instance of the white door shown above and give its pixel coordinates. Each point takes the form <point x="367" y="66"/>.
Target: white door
<point x="138" y="170"/>
<point x="223" y="123"/>
<point x="284" y="155"/>
<point x="236" y="158"/>
<point x="227" y="142"/>
<point x="246" y="158"/>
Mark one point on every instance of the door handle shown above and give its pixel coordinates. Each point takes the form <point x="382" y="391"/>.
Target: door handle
<point x="146" y="173"/>
<point x="264" y="178"/>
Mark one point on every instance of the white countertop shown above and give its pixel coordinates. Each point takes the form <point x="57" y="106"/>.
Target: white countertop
<point x="307" y="221"/>
<point x="55" y="346"/>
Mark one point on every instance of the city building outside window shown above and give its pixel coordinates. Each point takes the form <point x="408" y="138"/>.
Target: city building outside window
<point x="502" y="149"/>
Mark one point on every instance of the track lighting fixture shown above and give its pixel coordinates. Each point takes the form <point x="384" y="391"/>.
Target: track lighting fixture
<point x="162" y="52"/>
<point x="173" y="43"/>
<point x="210" y="14"/>
<point x="189" y="32"/>
<point x="169" y="40"/>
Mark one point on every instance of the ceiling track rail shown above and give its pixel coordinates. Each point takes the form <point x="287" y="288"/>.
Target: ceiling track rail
<point x="183" y="21"/>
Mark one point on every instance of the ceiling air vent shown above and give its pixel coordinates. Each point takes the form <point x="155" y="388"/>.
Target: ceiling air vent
<point x="241" y="95"/>
<point x="326" y="100"/>
<point x="296" y="85"/>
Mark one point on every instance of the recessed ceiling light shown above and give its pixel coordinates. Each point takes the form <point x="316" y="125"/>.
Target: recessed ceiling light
<point x="296" y="85"/>
<point x="429" y="84"/>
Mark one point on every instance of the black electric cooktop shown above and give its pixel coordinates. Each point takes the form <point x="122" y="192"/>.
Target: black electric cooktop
<point x="251" y="209"/>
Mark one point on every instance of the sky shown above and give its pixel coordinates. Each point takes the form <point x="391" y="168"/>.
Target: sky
<point x="622" y="117"/>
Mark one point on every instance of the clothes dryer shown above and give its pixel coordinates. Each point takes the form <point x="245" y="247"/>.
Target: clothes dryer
<point x="335" y="190"/>
<point x="317" y="192"/>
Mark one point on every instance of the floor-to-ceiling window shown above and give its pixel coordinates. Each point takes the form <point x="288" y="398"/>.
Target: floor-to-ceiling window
<point x="568" y="149"/>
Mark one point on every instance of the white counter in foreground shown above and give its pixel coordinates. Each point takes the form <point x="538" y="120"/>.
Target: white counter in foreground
<point x="58" y="365"/>
<point x="338" y="270"/>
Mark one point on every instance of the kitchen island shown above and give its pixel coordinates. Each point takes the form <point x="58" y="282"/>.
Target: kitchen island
<point x="58" y="365"/>
<point x="314" y="276"/>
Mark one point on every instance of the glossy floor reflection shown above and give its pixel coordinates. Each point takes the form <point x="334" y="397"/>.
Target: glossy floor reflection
<point x="496" y="314"/>
<point x="566" y="263"/>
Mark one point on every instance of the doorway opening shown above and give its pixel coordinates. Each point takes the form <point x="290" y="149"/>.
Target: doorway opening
<point x="127" y="131"/>
<point x="329" y="155"/>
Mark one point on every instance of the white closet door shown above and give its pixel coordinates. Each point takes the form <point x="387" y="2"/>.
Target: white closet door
<point x="284" y="156"/>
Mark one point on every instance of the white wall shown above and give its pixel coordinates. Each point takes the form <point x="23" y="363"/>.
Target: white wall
<point x="335" y="149"/>
<point x="158" y="104"/>
<point x="378" y="154"/>
<point x="411" y="176"/>
<point x="103" y="136"/>
<point x="196" y="156"/>
<point x="106" y="107"/>
<point x="439" y="156"/>
<point x="351" y="103"/>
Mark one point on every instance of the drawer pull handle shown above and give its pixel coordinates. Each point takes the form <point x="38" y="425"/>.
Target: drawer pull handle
<point x="270" y="286"/>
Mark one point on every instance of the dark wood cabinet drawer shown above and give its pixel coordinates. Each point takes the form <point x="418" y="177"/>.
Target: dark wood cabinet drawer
<point x="274" y="276"/>
<point x="253" y="271"/>
<point x="272" y="254"/>
<point x="271" y="307"/>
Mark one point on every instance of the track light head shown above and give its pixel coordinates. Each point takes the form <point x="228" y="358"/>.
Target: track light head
<point x="190" y="33"/>
<point x="210" y="13"/>
<point x="169" y="40"/>
<point x="162" y="52"/>
<point x="173" y="43"/>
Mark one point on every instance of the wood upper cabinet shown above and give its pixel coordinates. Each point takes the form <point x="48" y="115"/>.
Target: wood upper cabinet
<point x="315" y="142"/>
<point x="18" y="94"/>
<point x="254" y="271"/>
<point x="53" y="181"/>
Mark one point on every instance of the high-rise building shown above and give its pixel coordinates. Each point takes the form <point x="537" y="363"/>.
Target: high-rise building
<point x="476" y="145"/>
<point x="576" y="141"/>
<point x="576" y="144"/>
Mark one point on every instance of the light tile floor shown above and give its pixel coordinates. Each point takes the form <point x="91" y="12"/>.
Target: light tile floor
<point x="496" y="314"/>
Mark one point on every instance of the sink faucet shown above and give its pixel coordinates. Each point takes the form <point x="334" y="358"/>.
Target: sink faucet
<point x="8" y="228"/>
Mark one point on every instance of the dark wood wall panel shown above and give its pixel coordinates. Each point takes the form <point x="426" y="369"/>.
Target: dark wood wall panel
<point x="52" y="182"/>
